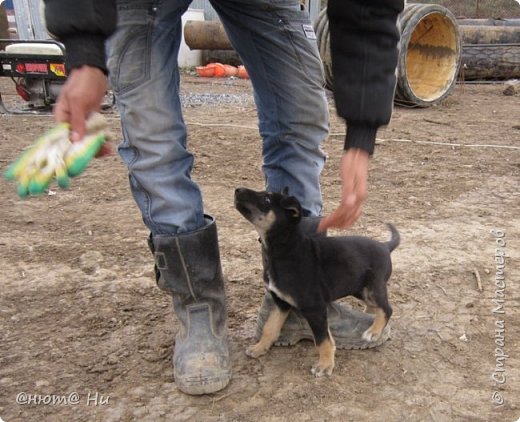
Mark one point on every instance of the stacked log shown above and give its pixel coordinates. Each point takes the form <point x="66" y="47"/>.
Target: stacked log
<point x="490" y="22"/>
<point x="490" y="49"/>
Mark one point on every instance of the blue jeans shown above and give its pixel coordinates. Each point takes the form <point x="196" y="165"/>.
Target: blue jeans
<point x="287" y="77"/>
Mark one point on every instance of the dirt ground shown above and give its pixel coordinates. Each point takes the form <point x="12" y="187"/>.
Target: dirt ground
<point x="83" y="324"/>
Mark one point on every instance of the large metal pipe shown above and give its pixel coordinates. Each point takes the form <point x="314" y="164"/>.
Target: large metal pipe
<point x="206" y="35"/>
<point x="429" y="59"/>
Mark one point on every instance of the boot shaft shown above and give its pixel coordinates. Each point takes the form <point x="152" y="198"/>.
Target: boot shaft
<point x="188" y="263"/>
<point x="187" y="266"/>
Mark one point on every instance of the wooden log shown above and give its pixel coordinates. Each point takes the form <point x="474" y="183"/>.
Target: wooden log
<point x="206" y="35"/>
<point x="490" y="62"/>
<point x="489" y="22"/>
<point x="486" y="34"/>
<point x="221" y="56"/>
<point x="490" y="52"/>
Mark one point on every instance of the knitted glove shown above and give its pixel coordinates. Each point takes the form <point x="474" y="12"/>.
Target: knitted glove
<point x="54" y="156"/>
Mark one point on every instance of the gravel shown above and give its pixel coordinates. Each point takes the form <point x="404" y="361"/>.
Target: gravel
<point x="193" y="100"/>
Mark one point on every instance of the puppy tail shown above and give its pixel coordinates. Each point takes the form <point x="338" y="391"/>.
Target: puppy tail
<point x="395" y="240"/>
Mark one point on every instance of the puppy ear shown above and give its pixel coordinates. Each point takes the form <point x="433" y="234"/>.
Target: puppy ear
<point x="292" y="205"/>
<point x="285" y="191"/>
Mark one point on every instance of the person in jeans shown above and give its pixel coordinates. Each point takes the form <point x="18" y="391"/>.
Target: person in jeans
<point x="275" y="41"/>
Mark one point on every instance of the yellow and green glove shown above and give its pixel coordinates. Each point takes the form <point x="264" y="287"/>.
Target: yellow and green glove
<point x="54" y="156"/>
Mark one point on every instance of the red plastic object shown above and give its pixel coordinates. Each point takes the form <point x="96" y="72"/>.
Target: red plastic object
<point x="242" y="72"/>
<point x="205" y="72"/>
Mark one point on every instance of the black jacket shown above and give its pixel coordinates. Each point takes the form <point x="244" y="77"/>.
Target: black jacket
<point x="364" y="47"/>
<point x="364" y="40"/>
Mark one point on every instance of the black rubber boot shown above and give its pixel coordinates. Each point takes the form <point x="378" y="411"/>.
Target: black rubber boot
<point x="346" y="325"/>
<point x="188" y="267"/>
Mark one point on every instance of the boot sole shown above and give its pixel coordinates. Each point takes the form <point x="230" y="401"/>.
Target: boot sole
<point x="294" y="337"/>
<point x="199" y="387"/>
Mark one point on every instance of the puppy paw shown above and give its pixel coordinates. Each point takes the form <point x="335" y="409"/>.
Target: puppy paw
<point x="256" y="350"/>
<point x="370" y="335"/>
<point x="320" y="370"/>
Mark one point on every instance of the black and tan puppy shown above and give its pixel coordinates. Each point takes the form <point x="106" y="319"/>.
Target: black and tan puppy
<point x="307" y="272"/>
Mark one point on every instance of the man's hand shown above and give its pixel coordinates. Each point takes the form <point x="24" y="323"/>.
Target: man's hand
<point x="354" y="174"/>
<point x="81" y="95"/>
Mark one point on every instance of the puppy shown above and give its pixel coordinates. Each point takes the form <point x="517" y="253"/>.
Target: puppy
<point x="308" y="272"/>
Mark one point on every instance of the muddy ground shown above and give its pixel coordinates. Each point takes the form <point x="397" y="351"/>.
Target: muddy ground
<point x="83" y="324"/>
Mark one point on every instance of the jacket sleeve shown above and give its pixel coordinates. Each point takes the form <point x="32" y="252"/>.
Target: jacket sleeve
<point x="83" y="27"/>
<point x="364" y="40"/>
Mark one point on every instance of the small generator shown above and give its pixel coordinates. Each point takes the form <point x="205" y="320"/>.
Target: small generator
<point x="37" y="69"/>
